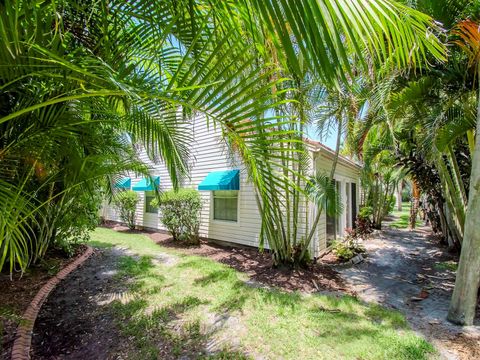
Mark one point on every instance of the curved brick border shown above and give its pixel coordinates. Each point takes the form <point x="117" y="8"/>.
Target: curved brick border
<point x="23" y="339"/>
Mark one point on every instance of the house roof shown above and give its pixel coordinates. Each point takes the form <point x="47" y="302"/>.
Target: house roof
<point x="319" y="147"/>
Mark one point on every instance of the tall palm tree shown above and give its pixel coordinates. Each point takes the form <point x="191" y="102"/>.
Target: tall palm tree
<point x="434" y="122"/>
<point x="82" y="83"/>
<point x="142" y="69"/>
<point x="328" y="41"/>
<point x="465" y="294"/>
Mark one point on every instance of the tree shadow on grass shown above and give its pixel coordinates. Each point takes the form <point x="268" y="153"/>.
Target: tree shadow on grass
<point x="164" y="332"/>
<point x="257" y="265"/>
<point x="217" y="276"/>
<point x="402" y="222"/>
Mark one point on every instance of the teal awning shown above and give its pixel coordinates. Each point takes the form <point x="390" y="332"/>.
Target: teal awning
<point x="123" y="183"/>
<point x="146" y="185"/>
<point x="221" y="180"/>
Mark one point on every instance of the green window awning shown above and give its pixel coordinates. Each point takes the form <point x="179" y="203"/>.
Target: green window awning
<point x="221" y="180"/>
<point x="146" y="185"/>
<point x="123" y="183"/>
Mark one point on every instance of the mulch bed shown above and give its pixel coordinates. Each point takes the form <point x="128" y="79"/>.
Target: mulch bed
<point x="259" y="266"/>
<point x="17" y="291"/>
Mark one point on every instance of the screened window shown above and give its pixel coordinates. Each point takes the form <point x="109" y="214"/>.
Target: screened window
<point x="149" y="196"/>
<point x="225" y="205"/>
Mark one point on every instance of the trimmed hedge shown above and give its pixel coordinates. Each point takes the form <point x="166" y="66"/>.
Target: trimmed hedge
<point x="126" y="203"/>
<point x="180" y="213"/>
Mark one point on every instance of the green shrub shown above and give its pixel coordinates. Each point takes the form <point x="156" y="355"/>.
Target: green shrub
<point x="180" y="213"/>
<point x="349" y="247"/>
<point x="343" y="252"/>
<point x="75" y="220"/>
<point x="364" y="226"/>
<point x="365" y="212"/>
<point x="126" y="203"/>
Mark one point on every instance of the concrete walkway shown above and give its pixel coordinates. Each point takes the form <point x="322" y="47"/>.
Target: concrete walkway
<point x="405" y="270"/>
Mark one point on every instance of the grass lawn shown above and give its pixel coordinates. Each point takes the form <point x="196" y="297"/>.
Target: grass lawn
<point x="403" y="216"/>
<point x="194" y="303"/>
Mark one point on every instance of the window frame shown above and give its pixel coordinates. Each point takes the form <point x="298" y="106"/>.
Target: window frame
<point x="212" y="209"/>
<point x="148" y="194"/>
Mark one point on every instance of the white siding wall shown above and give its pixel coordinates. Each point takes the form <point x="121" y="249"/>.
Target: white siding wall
<point x="209" y="153"/>
<point x="346" y="174"/>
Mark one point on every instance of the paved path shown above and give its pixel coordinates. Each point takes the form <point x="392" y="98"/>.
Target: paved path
<point x="402" y="267"/>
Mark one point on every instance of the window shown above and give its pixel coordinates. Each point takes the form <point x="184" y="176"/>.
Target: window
<point x="333" y="222"/>
<point x="225" y="205"/>
<point x="149" y="196"/>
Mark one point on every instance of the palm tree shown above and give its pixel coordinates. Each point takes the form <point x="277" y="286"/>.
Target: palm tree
<point x="323" y="41"/>
<point x="465" y="294"/>
<point x="140" y="70"/>
<point x="432" y="117"/>
<point x="82" y="83"/>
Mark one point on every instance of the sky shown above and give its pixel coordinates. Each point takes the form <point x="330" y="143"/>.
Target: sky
<point x="330" y="140"/>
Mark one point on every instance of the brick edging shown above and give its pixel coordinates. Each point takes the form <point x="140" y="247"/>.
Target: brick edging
<point x="23" y="338"/>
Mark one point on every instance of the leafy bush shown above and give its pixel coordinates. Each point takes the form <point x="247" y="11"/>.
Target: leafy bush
<point x="180" y="213"/>
<point x="365" y="212"/>
<point x="364" y="226"/>
<point x="347" y="249"/>
<point x="126" y="203"/>
<point x="75" y="220"/>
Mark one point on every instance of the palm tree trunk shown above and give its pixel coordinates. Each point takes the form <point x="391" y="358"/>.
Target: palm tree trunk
<point x="399" y="195"/>
<point x="464" y="298"/>
<point x="414" y="206"/>
<point x="337" y="148"/>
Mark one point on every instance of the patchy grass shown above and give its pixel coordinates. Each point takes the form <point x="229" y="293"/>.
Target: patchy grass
<point x="197" y="307"/>
<point x="446" y="265"/>
<point x="403" y="217"/>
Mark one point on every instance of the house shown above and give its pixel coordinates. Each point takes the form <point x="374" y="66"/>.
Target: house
<point x="230" y="212"/>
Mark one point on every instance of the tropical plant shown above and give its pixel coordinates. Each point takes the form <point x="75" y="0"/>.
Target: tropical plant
<point x="432" y="119"/>
<point x="379" y="176"/>
<point x="364" y="226"/>
<point x="465" y="294"/>
<point x="138" y="71"/>
<point x="319" y="44"/>
<point x="180" y="213"/>
<point x="349" y="247"/>
<point x="85" y="84"/>
<point x="126" y="203"/>
<point x="76" y="219"/>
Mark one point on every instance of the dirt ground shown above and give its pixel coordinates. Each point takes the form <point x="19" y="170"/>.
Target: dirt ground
<point x="402" y="271"/>
<point x="18" y="290"/>
<point x="72" y="324"/>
